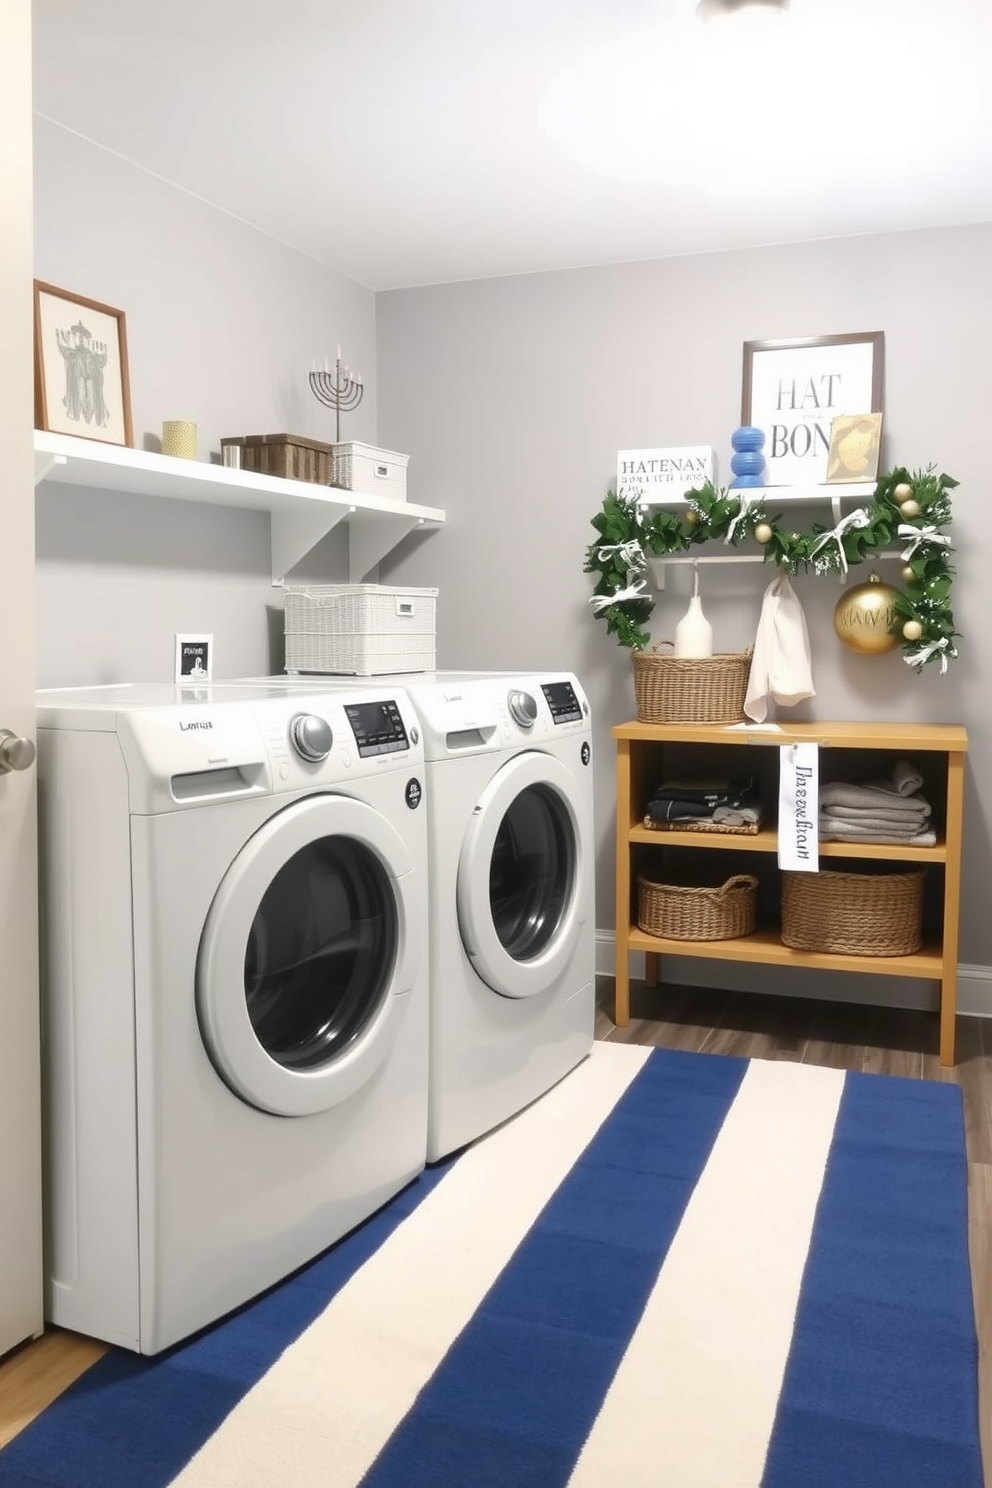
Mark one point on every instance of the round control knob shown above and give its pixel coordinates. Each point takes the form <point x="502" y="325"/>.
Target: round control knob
<point x="523" y="708"/>
<point x="312" y="737"/>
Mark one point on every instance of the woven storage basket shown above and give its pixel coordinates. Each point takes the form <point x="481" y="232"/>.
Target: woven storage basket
<point x="716" y="828"/>
<point x="683" y="689"/>
<point x="853" y="914"/>
<point x="684" y="913"/>
<point x="359" y="629"/>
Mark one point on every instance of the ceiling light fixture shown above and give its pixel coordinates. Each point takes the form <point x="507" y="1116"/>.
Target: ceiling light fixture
<point x="709" y="10"/>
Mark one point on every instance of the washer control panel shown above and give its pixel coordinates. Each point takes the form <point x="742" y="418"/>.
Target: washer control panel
<point x="378" y="727"/>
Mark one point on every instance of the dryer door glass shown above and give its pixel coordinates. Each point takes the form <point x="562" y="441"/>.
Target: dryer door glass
<point x="321" y="952"/>
<point x="532" y="871"/>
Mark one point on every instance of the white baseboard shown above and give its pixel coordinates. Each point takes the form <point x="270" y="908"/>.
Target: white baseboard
<point x="974" y="982"/>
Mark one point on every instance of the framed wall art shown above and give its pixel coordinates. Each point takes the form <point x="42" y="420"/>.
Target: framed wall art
<point x="794" y="390"/>
<point x="80" y="367"/>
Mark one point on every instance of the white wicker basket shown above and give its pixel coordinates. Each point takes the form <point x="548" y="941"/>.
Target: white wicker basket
<point x="359" y="629"/>
<point x="374" y="472"/>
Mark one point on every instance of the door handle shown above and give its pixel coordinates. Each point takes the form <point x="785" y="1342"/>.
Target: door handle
<point x="15" y="753"/>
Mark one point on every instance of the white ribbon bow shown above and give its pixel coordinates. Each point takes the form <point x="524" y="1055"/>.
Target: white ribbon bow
<point x="853" y="520"/>
<point x="746" y="504"/>
<point x="601" y="602"/>
<point x="920" y="535"/>
<point x="631" y="555"/>
<point x="918" y="658"/>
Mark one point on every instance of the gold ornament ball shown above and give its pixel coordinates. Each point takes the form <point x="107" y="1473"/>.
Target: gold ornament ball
<point x="692" y="517"/>
<point x="908" y="574"/>
<point x="909" y="509"/>
<point x="863" y="617"/>
<point x="912" y="630"/>
<point x="902" y="492"/>
<point x="763" y="532"/>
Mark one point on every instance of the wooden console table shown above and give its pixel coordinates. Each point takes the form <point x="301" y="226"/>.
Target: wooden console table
<point x="642" y="749"/>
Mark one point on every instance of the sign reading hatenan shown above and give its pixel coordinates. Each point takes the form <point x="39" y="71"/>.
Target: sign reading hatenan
<point x="657" y="474"/>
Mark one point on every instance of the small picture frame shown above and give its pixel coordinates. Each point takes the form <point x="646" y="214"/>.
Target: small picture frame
<point x="855" y="442"/>
<point x="81" y="383"/>
<point x="194" y="659"/>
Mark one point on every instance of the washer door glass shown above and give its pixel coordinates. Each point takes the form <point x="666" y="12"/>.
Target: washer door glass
<point x="532" y="871"/>
<point x="321" y="951"/>
<point x="310" y="949"/>
<point x="522" y="893"/>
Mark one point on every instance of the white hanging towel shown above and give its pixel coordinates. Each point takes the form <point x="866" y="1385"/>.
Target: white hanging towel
<point x="781" y="670"/>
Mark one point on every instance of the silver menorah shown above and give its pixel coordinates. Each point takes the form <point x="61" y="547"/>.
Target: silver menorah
<point x="337" y="390"/>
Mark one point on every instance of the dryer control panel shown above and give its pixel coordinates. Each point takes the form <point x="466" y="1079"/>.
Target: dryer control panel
<point x="562" y="702"/>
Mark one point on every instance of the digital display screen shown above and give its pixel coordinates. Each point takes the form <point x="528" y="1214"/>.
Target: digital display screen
<point x="377" y="727"/>
<point x="565" y="706"/>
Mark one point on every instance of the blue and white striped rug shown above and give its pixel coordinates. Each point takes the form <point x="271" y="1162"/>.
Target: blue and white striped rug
<point x="674" y="1271"/>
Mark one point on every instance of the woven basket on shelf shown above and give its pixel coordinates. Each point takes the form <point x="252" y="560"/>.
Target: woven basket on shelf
<point x="683" y="913"/>
<point x="853" y="914"/>
<point x="749" y="829"/>
<point x="684" y="689"/>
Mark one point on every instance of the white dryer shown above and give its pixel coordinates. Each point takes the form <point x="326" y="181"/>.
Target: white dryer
<point x="510" y="812"/>
<point x="512" y="925"/>
<point x="234" y="989"/>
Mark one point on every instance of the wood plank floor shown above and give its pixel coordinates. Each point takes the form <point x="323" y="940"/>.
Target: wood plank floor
<point x="840" y="1035"/>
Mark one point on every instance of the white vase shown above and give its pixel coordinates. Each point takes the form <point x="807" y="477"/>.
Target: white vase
<point x="694" y="633"/>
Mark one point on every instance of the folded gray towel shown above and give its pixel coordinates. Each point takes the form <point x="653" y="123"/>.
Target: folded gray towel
<point x="836" y="793"/>
<point x="906" y="779"/>
<point x="831" y="829"/>
<point x="737" y="816"/>
<point x="879" y="813"/>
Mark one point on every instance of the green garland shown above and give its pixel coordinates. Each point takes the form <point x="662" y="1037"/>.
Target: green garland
<point x="630" y="533"/>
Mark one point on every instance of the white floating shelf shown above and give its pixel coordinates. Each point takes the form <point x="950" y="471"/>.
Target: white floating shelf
<point x="793" y="495"/>
<point x="772" y="496"/>
<point x="301" y="513"/>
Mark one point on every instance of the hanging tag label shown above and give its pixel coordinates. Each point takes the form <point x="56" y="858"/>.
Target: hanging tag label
<point x="798" y="807"/>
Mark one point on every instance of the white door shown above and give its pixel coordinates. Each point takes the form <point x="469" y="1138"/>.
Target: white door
<point x="520" y="896"/>
<point x="20" y="1142"/>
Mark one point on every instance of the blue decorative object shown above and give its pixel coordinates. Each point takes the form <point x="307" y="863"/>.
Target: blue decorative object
<point x="748" y="460"/>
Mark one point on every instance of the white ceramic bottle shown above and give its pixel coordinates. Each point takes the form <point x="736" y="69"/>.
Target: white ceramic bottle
<point x="694" y="633"/>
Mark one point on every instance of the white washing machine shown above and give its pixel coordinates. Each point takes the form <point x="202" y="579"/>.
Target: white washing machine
<point x="235" y="990"/>
<point x="512" y="925"/>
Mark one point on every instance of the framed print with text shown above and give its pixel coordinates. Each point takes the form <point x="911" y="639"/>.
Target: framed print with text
<point x="194" y="659"/>
<point x="793" y="390"/>
<point x="81" y="382"/>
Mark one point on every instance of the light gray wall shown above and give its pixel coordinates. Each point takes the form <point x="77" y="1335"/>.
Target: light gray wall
<point x="512" y="397"/>
<point x="223" y="325"/>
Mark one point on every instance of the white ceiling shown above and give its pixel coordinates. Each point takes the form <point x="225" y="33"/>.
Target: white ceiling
<point x="408" y="142"/>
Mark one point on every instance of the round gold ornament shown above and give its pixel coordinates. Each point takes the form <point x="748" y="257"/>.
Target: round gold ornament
<point x="912" y="630"/>
<point x="691" y="517"/>
<point x="902" y="492"/>
<point x="763" y="532"/>
<point x="864" y="615"/>
<point x="908" y="574"/>
<point x="909" y="509"/>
